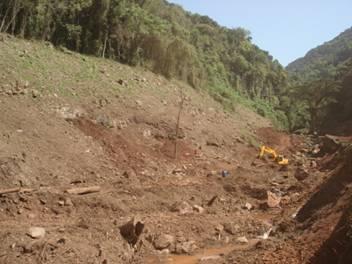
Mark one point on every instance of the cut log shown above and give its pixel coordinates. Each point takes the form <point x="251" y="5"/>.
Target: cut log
<point x="15" y="190"/>
<point x="84" y="190"/>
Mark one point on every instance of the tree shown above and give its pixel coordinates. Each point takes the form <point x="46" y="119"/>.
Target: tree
<point x="317" y="96"/>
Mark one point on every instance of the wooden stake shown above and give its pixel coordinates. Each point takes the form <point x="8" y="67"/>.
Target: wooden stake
<point x="15" y="190"/>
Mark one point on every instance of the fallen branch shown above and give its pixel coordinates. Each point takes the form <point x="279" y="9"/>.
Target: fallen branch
<point x="16" y="190"/>
<point x="84" y="190"/>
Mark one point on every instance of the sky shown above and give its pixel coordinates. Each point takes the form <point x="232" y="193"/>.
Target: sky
<point x="288" y="29"/>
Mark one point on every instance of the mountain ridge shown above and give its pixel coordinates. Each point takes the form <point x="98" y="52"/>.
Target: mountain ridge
<point x="329" y="55"/>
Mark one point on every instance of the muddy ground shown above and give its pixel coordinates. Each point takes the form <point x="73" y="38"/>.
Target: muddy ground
<point x="206" y="202"/>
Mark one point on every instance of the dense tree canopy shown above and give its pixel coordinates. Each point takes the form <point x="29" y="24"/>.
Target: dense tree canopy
<point x="153" y="34"/>
<point x="319" y="95"/>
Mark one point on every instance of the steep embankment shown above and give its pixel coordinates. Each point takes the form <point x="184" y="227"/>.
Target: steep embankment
<point x="71" y="121"/>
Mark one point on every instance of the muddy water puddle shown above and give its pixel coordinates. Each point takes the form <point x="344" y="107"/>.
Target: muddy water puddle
<point x="205" y="254"/>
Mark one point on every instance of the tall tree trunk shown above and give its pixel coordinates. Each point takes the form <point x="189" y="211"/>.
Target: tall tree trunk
<point x="14" y="14"/>
<point x="23" y="23"/>
<point x="5" y="16"/>
<point x="105" y="42"/>
<point x="313" y="119"/>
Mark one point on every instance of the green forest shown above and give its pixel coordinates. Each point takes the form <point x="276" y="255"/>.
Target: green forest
<point x="318" y="94"/>
<point x="168" y="40"/>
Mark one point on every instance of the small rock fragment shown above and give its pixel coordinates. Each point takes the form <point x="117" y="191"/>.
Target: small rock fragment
<point x="185" y="247"/>
<point x="273" y="200"/>
<point x="231" y="228"/>
<point x="242" y="240"/>
<point x="301" y="174"/>
<point x="163" y="241"/>
<point x="248" y="206"/>
<point x="35" y="93"/>
<point x="198" y="209"/>
<point x="182" y="208"/>
<point x="68" y="202"/>
<point x="36" y="232"/>
<point x="207" y="258"/>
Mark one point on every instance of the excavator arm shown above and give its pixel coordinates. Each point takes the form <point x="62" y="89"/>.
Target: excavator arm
<point x="278" y="158"/>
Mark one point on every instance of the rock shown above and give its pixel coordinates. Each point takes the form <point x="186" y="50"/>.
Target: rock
<point x="163" y="241"/>
<point x="36" y="232"/>
<point x="31" y="216"/>
<point x="248" y="206"/>
<point x="242" y="240"/>
<point x="219" y="228"/>
<point x="313" y="164"/>
<point x="208" y="258"/>
<point x="266" y="234"/>
<point x="106" y="121"/>
<point x="182" y="208"/>
<point x="273" y="200"/>
<point x="316" y="149"/>
<point x="121" y="124"/>
<point x="301" y="174"/>
<point x="212" y="173"/>
<point x="213" y="142"/>
<point x="225" y="173"/>
<point x="231" y="228"/>
<point x="35" y="93"/>
<point x="139" y="102"/>
<point x="121" y="82"/>
<point x="330" y="144"/>
<point x="33" y="246"/>
<point x="70" y="114"/>
<point x="198" y="209"/>
<point x="68" y="202"/>
<point x="102" y="102"/>
<point x="130" y="174"/>
<point x="185" y="247"/>
<point x="132" y="230"/>
<point x="147" y="133"/>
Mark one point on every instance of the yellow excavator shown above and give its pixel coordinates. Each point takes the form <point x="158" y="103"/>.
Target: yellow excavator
<point x="279" y="159"/>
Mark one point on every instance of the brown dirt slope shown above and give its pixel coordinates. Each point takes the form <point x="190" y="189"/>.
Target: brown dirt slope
<point x="71" y="121"/>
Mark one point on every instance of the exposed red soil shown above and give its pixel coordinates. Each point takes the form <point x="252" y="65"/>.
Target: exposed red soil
<point x="280" y="141"/>
<point x="125" y="144"/>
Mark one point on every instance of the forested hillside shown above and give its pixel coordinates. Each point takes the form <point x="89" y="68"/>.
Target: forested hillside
<point x="324" y="60"/>
<point x="338" y="119"/>
<point x="319" y="95"/>
<point x="159" y="36"/>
